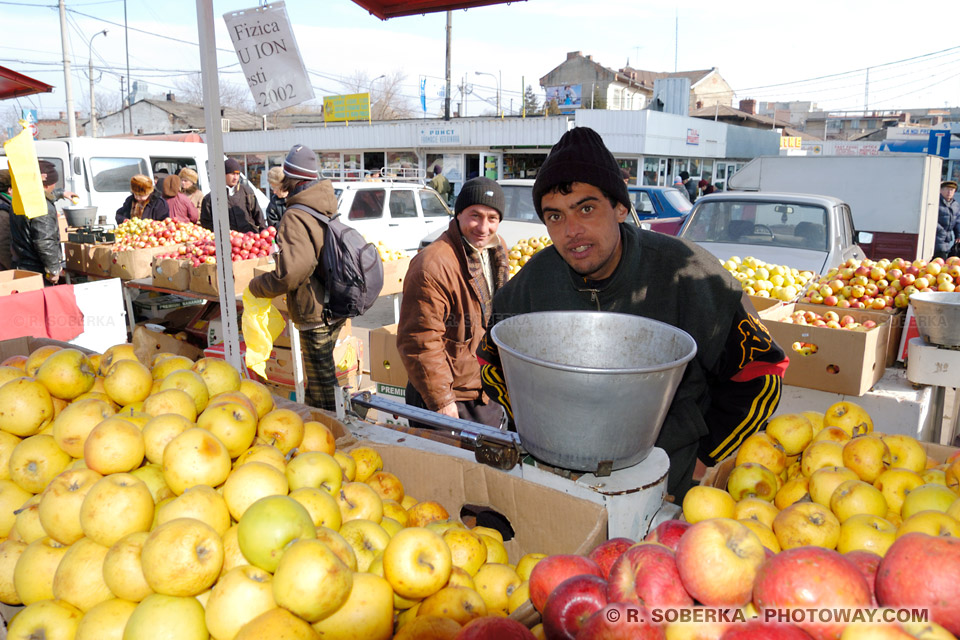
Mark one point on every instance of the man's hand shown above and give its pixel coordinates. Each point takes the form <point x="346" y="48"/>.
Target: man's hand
<point x="449" y="410"/>
<point x="54" y="277"/>
<point x="70" y="195"/>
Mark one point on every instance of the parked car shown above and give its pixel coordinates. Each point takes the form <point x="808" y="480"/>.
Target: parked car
<point x="805" y="232"/>
<point x="398" y="213"/>
<point x="658" y="202"/>
<point x="520" y="220"/>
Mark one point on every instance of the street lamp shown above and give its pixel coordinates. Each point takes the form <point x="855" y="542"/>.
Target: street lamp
<point x="497" y="80"/>
<point x="93" y="116"/>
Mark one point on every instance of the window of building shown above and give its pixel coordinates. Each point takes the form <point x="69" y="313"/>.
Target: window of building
<point x="650" y="168"/>
<point x="630" y="165"/>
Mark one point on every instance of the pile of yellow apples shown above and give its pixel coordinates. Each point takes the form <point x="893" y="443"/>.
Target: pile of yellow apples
<point x="176" y="500"/>
<point x="389" y="255"/>
<point x="521" y="252"/>
<point x="764" y="280"/>
<point x="829" y="480"/>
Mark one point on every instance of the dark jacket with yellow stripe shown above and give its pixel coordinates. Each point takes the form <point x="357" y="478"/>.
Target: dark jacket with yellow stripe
<point x="733" y="384"/>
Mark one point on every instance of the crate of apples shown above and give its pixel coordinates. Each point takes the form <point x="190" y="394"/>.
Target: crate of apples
<point x="521" y="252"/>
<point x="764" y="280"/>
<point x="140" y="233"/>
<point x="883" y="284"/>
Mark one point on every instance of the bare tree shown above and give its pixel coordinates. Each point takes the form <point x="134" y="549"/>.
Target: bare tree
<point x="387" y="101"/>
<point x="235" y="96"/>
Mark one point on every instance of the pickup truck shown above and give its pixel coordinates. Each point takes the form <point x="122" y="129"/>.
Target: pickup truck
<point x="806" y="232"/>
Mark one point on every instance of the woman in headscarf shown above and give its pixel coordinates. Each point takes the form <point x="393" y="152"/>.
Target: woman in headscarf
<point x="181" y="208"/>
<point x="188" y="184"/>
<point x="143" y="202"/>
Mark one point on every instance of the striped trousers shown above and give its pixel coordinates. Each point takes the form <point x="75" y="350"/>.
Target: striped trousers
<point x="318" y="366"/>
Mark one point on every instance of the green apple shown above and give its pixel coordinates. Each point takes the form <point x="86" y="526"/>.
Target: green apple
<point x="269" y="526"/>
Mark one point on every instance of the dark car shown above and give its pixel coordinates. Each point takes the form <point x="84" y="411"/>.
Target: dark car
<point x="659" y="202"/>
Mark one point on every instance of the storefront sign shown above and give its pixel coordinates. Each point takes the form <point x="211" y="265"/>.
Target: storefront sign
<point x="693" y="136"/>
<point x="439" y="135"/>
<point x="353" y="106"/>
<point x="269" y="56"/>
<point x="790" y="142"/>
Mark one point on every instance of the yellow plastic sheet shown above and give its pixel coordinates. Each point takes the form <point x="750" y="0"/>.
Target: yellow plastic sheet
<point x="28" y="198"/>
<point x="261" y="324"/>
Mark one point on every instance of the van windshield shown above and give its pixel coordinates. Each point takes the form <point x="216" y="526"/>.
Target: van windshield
<point x="113" y="174"/>
<point x="759" y="223"/>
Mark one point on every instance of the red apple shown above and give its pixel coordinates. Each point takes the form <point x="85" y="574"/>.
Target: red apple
<point x="811" y="578"/>
<point x="867" y="563"/>
<point x="758" y="630"/>
<point x="920" y="570"/>
<point x="552" y="570"/>
<point x="621" y="621"/>
<point x="647" y="574"/>
<point x="668" y="533"/>
<point x="571" y="603"/>
<point x="718" y="560"/>
<point x="490" y="628"/>
<point x="606" y="553"/>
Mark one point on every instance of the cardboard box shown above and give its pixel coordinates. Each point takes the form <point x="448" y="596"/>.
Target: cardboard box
<point x="26" y="345"/>
<point x="543" y="520"/>
<point x="203" y="279"/>
<point x="73" y="256"/>
<point x="136" y="263"/>
<point x="385" y="363"/>
<point x="716" y="476"/>
<point x="147" y="344"/>
<point x="393" y="274"/>
<point x="765" y="306"/>
<point x="17" y="280"/>
<point x="100" y="260"/>
<point x="346" y="354"/>
<point x="171" y="273"/>
<point x="846" y="362"/>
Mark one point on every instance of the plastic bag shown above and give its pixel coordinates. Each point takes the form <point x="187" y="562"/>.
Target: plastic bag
<point x="261" y="324"/>
<point x="28" y="198"/>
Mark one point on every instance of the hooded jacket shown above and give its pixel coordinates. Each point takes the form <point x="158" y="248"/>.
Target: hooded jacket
<point x="242" y="209"/>
<point x="299" y="241"/>
<point x="36" y="241"/>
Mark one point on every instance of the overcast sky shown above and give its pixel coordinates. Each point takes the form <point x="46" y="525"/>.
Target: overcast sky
<point x="817" y="51"/>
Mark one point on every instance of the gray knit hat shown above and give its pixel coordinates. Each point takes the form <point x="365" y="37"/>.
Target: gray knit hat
<point x="580" y="156"/>
<point x="480" y="191"/>
<point x="301" y="163"/>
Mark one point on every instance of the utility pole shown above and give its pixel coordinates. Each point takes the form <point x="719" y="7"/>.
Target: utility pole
<point x="676" y="40"/>
<point x="446" y="94"/>
<point x="866" y="93"/>
<point x="68" y="88"/>
<point x="93" y="108"/>
<point x="126" y="38"/>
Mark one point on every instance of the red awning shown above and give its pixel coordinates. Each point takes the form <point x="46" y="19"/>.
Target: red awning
<point x="385" y="9"/>
<point x="14" y="85"/>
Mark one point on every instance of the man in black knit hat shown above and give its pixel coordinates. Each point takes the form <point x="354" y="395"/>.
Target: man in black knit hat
<point x="599" y="263"/>
<point x="447" y="304"/>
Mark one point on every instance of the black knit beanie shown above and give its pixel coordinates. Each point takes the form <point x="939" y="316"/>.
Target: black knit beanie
<point x="480" y="191"/>
<point x="580" y="156"/>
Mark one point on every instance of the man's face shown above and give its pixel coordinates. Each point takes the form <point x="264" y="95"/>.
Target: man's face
<point x="478" y="224"/>
<point x="585" y="229"/>
<point x="948" y="193"/>
<point x="233" y="179"/>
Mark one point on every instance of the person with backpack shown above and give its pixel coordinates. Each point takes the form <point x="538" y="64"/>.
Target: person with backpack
<point x="327" y="272"/>
<point x="447" y="304"/>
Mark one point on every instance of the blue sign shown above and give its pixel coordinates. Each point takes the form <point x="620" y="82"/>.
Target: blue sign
<point x="30" y="115"/>
<point x="423" y="93"/>
<point x="939" y="144"/>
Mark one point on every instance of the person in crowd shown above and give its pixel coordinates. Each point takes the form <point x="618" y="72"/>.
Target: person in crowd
<point x="705" y="187"/>
<point x="36" y="241"/>
<point x="144" y="201"/>
<point x="678" y="184"/>
<point x="180" y="206"/>
<point x="447" y="304"/>
<point x="299" y="275"/>
<point x="189" y="185"/>
<point x="278" y="197"/>
<point x="243" y="210"/>
<point x="158" y="177"/>
<point x="599" y="263"/>
<point x="6" y="212"/>
<point x="440" y="184"/>
<point x="625" y="174"/>
<point x="689" y="185"/>
<point x="948" y="221"/>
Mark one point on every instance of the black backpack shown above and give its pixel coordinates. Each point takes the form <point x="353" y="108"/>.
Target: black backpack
<point x="350" y="266"/>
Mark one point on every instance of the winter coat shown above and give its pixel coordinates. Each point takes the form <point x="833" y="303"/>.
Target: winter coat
<point x="6" y="242"/>
<point x="300" y="241"/>
<point x="36" y="241"/>
<point x="181" y="209"/>
<point x="156" y="208"/>
<point x="444" y="312"/>
<point x="242" y="208"/>
<point x="275" y="209"/>
<point x="948" y="225"/>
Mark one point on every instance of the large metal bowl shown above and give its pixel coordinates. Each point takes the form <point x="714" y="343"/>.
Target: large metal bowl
<point x="80" y="216"/>
<point x="938" y="317"/>
<point x="590" y="390"/>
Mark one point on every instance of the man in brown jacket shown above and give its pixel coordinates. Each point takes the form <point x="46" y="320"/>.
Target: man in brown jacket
<point x="447" y="302"/>
<point x="300" y="241"/>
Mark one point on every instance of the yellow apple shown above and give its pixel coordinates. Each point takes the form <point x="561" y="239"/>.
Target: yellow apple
<point x="927" y="497"/>
<point x="323" y="507"/>
<point x="75" y="423"/>
<point x="106" y="620"/>
<point x="161" y="617"/>
<point x="277" y="623"/>
<point x="495" y="583"/>
<point x="868" y="456"/>
<point x="234" y="424"/>
<point x="927" y="631"/>
<point x="191" y="383"/>
<point x="850" y="417"/>
<point x="368" y="462"/>
<point x="200" y="502"/>
<point x="393" y="509"/>
<point x="122" y="569"/>
<point x="79" y="577"/>
<point x="825" y="480"/>
<point x="751" y="508"/>
<point x="250" y="482"/>
<point x="792" y="491"/>
<point x="761" y="448"/>
<point x="269" y="525"/>
<point x="27" y="526"/>
<point x="317" y="437"/>
<point x="114" y="446"/>
<point x="165" y="364"/>
<point x="934" y="523"/>
<point x="239" y="596"/>
<point x="832" y="434"/>
<point x="152" y="476"/>
<point x="806" y="523"/>
<point x="259" y="395"/>
<point x="358" y="501"/>
<point x="428" y="628"/>
<point x="218" y="375"/>
<point x="123" y="351"/>
<point x="423" y="513"/>
<point x="792" y="431"/>
<point x="526" y="564"/>
<point x="115" y="506"/>
<point x="417" y="562"/>
<point x="232" y="556"/>
<point x="263" y="453"/>
<point x="906" y="453"/>
<point x="8" y="442"/>
<point x="12" y="498"/>
<point x="311" y="581"/>
<point x="856" y="496"/>
<point x="367" y="613"/>
<point x="519" y="596"/>
<point x="766" y="535"/>
<point x="702" y="503"/>
<point x="35" y="569"/>
<point x="934" y="476"/>
<point x="52" y="619"/>
<point x="128" y="382"/>
<point x="196" y="456"/>
<point x="36" y="461"/>
<point x="387" y="485"/>
<point x="315" y="469"/>
<point x="467" y="550"/>
<point x="339" y="546"/>
<point x="866" y="532"/>
<point x="282" y="428"/>
<point x="496" y="552"/>
<point x="10" y="551"/>
<point x="895" y="484"/>
<point x="349" y="467"/>
<point x="66" y="374"/>
<point x="821" y="454"/>
<point x="182" y="557"/>
<point x="158" y="433"/>
<point x="751" y="479"/>
<point x="457" y="603"/>
<point x="367" y="538"/>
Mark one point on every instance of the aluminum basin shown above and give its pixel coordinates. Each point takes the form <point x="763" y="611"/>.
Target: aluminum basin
<point x="938" y="317"/>
<point x="80" y="216"/>
<point x="590" y="389"/>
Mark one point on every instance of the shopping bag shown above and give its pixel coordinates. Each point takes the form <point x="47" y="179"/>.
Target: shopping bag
<point x="261" y="324"/>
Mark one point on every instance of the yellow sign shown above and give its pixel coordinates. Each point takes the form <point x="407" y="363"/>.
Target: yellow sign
<point x="790" y="142"/>
<point x="353" y="106"/>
